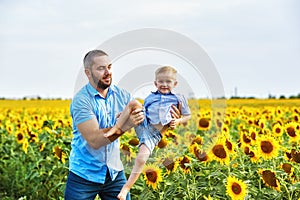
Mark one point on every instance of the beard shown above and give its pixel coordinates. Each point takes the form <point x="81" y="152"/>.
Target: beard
<point x="100" y="84"/>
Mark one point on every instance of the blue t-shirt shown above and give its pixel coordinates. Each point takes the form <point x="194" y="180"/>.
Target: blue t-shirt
<point x="158" y="107"/>
<point x="88" y="163"/>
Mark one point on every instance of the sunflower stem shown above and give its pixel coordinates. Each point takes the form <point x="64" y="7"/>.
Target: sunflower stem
<point x="287" y="191"/>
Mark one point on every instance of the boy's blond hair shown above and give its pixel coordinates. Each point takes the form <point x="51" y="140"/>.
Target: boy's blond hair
<point x="166" y="69"/>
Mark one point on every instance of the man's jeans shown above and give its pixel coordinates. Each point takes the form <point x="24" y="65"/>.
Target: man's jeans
<point x="79" y="188"/>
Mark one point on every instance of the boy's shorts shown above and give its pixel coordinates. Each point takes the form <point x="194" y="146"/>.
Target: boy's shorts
<point x="148" y="135"/>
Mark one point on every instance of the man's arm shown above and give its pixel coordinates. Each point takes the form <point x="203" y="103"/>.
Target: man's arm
<point x="95" y="136"/>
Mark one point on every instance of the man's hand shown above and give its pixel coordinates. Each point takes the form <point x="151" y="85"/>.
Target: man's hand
<point x="175" y="111"/>
<point x="136" y="117"/>
<point x="176" y="116"/>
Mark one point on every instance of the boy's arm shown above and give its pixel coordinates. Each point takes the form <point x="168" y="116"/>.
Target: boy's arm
<point x="183" y="120"/>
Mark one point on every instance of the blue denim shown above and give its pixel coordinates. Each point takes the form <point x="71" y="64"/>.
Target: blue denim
<point x="78" y="188"/>
<point x="148" y="135"/>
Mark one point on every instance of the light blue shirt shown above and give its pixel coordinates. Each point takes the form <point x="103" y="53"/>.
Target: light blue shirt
<point x="85" y="161"/>
<point x="158" y="107"/>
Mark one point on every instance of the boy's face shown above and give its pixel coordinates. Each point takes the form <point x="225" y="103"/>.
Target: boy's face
<point x="165" y="82"/>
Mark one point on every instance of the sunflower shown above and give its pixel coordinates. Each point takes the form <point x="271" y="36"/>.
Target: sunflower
<point x="197" y="140"/>
<point x="134" y="142"/>
<point x="199" y="154"/>
<point x="20" y="137"/>
<point x="152" y="175"/>
<point x="218" y="123"/>
<point x="252" y="135"/>
<point x="225" y="129"/>
<point x="288" y="168"/>
<point x="126" y="150"/>
<point x="250" y="120"/>
<point x="245" y="139"/>
<point x="278" y="111"/>
<point x="277" y="130"/>
<point x="252" y="153"/>
<point x="236" y="188"/>
<point x="227" y="121"/>
<point x="262" y="123"/>
<point x="295" y="155"/>
<point x="204" y="123"/>
<point x="33" y="136"/>
<point x="296" y="117"/>
<point x="184" y="163"/>
<point x="42" y="146"/>
<point x="9" y="127"/>
<point x="163" y="142"/>
<point x="268" y="147"/>
<point x="292" y="131"/>
<point x="171" y="134"/>
<point x="58" y="152"/>
<point x="219" y="152"/>
<point x="269" y="178"/>
<point x="170" y="164"/>
<point x="25" y="146"/>
<point x="230" y="145"/>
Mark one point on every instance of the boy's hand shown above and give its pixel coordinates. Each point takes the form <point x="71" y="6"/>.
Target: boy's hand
<point x="174" y="123"/>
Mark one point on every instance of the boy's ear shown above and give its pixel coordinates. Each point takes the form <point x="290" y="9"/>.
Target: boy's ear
<point x="175" y="83"/>
<point x="155" y="83"/>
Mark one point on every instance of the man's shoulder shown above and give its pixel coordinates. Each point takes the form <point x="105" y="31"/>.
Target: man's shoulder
<point x="81" y="96"/>
<point x="119" y="91"/>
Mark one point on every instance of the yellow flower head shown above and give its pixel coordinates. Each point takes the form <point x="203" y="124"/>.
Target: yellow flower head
<point x="292" y="130"/>
<point x="152" y="175"/>
<point x="268" y="147"/>
<point x="277" y="130"/>
<point x="204" y="123"/>
<point x="269" y="178"/>
<point x="235" y="188"/>
<point x="219" y="152"/>
<point x="184" y="162"/>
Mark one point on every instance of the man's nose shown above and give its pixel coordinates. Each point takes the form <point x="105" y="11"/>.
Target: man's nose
<point x="107" y="71"/>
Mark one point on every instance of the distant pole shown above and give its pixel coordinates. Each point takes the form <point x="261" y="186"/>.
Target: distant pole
<point x="235" y="92"/>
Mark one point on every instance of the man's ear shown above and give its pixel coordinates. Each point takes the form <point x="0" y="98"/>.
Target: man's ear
<point x="87" y="72"/>
<point x="175" y="83"/>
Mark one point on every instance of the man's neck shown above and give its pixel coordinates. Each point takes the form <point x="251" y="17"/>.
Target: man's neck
<point x="103" y="92"/>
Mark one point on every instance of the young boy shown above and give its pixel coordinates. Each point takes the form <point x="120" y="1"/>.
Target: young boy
<point x="158" y="106"/>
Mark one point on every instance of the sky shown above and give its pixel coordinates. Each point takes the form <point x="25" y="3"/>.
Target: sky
<point x="253" y="44"/>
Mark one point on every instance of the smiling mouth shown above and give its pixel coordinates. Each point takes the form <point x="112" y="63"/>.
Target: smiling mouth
<point x="107" y="78"/>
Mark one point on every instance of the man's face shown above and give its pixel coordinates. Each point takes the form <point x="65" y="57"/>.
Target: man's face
<point x="101" y="73"/>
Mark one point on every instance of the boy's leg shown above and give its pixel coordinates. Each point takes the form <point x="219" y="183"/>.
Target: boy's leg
<point x="137" y="169"/>
<point x="123" y="122"/>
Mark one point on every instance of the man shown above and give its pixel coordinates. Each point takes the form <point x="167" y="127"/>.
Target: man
<point x="95" y="164"/>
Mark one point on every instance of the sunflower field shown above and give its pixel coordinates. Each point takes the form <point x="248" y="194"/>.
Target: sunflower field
<point x="230" y="149"/>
